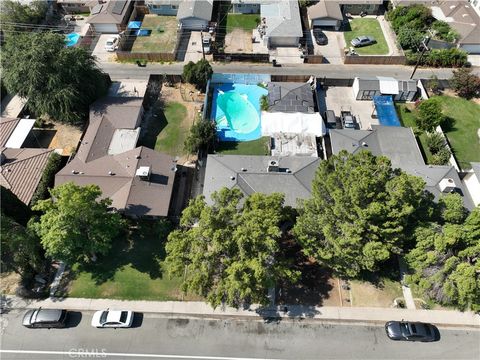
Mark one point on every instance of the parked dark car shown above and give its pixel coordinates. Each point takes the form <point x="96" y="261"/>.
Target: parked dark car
<point x="411" y="331"/>
<point x="348" y="120"/>
<point x="320" y="37"/>
<point x="45" y="318"/>
<point x="362" y="41"/>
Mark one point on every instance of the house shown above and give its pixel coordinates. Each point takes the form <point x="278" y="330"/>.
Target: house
<point x="281" y="25"/>
<point x="111" y="16"/>
<point x="138" y="180"/>
<point x="246" y="6"/>
<point x="291" y="175"/>
<point x="401" y="90"/>
<point x="77" y="6"/>
<point x="21" y="169"/>
<point x="463" y="18"/>
<point x="399" y="145"/>
<point x="476" y="5"/>
<point x="163" y="7"/>
<point x="325" y="14"/>
<point x="472" y="182"/>
<point x="195" y="14"/>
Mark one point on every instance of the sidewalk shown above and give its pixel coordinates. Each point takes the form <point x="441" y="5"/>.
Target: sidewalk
<point x="193" y="308"/>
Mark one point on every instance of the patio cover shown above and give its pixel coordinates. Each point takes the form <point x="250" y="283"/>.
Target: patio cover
<point x="297" y="123"/>
<point x="20" y="133"/>
<point x="388" y="85"/>
<point x="134" y="25"/>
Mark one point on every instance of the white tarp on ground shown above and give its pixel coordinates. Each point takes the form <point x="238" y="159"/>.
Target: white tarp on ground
<point x="20" y="133"/>
<point x="297" y="123"/>
<point x="388" y="85"/>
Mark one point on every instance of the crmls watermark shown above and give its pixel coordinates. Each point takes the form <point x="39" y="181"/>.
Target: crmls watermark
<point x="81" y="353"/>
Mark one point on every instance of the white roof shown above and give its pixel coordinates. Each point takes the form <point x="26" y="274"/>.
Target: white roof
<point x="20" y="133"/>
<point x="388" y="85"/>
<point x="123" y="140"/>
<point x="296" y="123"/>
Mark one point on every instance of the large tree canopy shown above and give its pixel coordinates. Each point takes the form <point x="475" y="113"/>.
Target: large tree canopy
<point x="57" y="81"/>
<point x="446" y="262"/>
<point x="229" y="252"/>
<point x="76" y="225"/>
<point x="359" y="214"/>
<point x="15" y="15"/>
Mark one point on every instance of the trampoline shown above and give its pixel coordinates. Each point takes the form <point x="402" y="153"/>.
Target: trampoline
<point x="386" y="113"/>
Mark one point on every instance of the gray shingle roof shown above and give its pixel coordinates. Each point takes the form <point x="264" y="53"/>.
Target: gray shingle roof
<point x="226" y="171"/>
<point x="201" y="9"/>
<point x="282" y="18"/>
<point x="325" y="9"/>
<point x="290" y="97"/>
<point x="7" y="126"/>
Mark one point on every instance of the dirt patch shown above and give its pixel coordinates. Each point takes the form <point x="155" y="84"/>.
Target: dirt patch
<point x="66" y="138"/>
<point x="9" y="282"/>
<point x="372" y="295"/>
<point x="239" y="41"/>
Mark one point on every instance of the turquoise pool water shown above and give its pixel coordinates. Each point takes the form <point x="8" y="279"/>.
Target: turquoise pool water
<point x="71" y="39"/>
<point x="236" y="110"/>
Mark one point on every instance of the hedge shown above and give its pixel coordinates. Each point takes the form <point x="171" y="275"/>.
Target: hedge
<point x="439" y="58"/>
<point x="53" y="166"/>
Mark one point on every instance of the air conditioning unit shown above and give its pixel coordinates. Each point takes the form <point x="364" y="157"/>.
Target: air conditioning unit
<point x="447" y="185"/>
<point x="143" y="172"/>
<point x="273" y="166"/>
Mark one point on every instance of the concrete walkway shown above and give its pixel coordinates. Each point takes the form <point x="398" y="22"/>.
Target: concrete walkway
<point x="200" y="309"/>
<point x="407" y="293"/>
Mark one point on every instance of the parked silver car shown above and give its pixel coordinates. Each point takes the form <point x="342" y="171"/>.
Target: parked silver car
<point x="362" y="41"/>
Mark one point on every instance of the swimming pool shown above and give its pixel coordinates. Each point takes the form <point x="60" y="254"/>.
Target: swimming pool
<point x="71" y="39"/>
<point x="236" y="110"/>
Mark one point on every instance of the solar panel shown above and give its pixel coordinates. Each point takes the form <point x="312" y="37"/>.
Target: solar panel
<point x="118" y="7"/>
<point x="96" y="9"/>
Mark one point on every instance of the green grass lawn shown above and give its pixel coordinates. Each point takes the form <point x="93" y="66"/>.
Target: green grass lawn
<point x="131" y="271"/>
<point x="163" y="37"/>
<point x="242" y="21"/>
<point x="173" y="131"/>
<point x="255" y="147"/>
<point x="367" y="27"/>
<point x="406" y="114"/>
<point x="462" y="135"/>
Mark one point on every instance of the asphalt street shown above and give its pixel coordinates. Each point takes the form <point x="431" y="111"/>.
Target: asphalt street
<point x="164" y="337"/>
<point x="131" y="71"/>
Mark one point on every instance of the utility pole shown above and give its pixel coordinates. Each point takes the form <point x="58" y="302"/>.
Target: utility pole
<point x="203" y="50"/>
<point x="425" y="42"/>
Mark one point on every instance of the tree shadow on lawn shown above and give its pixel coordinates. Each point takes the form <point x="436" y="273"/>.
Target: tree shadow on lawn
<point x="142" y="247"/>
<point x="155" y="121"/>
<point x="389" y="270"/>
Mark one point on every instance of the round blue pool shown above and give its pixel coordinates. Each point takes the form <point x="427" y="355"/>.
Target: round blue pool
<point x="71" y="39"/>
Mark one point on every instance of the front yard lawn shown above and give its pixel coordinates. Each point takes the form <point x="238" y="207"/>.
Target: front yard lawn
<point x="163" y="37"/>
<point x="131" y="271"/>
<point x="254" y="147"/>
<point x="367" y="27"/>
<point x="463" y="134"/>
<point x="242" y="21"/>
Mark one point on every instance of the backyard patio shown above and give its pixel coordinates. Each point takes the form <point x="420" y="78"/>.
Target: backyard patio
<point x="162" y="38"/>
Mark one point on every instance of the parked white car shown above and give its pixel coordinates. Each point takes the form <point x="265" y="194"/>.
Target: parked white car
<point x="112" y="43"/>
<point x="112" y="319"/>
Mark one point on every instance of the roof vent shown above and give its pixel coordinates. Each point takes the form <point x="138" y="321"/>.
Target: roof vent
<point x="447" y="185"/>
<point x="74" y="172"/>
<point x="273" y="166"/>
<point x="244" y="169"/>
<point x="143" y="172"/>
<point x="364" y="144"/>
<point x="288" y="171"/>
<point x="111" y="173"/>
<point x="138" y="157"/>
<point x="232" y="178"/>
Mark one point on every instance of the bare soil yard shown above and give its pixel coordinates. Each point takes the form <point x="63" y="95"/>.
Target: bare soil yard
<point x="239" y="41"/>
<point x="163" y="37"/>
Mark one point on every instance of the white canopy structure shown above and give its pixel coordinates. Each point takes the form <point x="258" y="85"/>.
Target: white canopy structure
<point x="23" y="128"/>
<point x="296" y="123"/>
<point x="388" y="85"/>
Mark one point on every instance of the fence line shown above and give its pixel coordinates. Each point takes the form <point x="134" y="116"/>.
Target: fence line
<point x="374" y="60"/>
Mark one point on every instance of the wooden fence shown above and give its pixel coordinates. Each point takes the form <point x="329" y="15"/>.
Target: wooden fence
<point x="258" y="58"/>
<point x="374" y="60"/>
<point x="155" y="57"/>
<point x="313" y="59"/>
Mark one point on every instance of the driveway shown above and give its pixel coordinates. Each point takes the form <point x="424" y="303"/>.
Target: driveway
<point x="99" y="50"/>
<point x="333" y="50"/>
<point x="194" y="48"/>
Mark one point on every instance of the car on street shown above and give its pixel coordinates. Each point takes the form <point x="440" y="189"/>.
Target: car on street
<point x="45" y="318"/>
<point x="320" y="37"/>
<point x="411" y="331"/>
<point x="112" y="319"/>
<point x="360" y="41"/>
<point x="111" y="44"/>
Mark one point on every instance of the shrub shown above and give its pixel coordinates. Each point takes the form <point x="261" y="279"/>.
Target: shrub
<point x="442" y="157"/>
<point x="433" y="84"/>
<point x="409" y="38"/>
<point x="264" y="103"/>
<point x="444" y="31"/>
<point x="466" y="84"/>
<point x="439" y="58"/>
<point x="202" y="134"/>
<point x="429" y="115"/>
<point x="52" y="167"/>
<point x="435" y="142"/>
<point x="197" y="73"/>
<point x="418" y="17"/>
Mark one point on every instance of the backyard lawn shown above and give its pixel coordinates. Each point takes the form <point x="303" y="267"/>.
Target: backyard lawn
<point x="254" y="147"/>
<point x="172" y="136"/>
<point x="131" y="271"/>
<point x="367" y="27"/>
<point x="163" y="37"/>
<point x="463" y="134"/>
<point x="242" y="21"/>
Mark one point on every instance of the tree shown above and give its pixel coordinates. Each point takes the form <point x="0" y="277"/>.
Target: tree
<point x="466" y="84"/>
<point x="228" y="252"/>
<point x="434" y="84"/>
<point x="442" y="157"/>
<point x="57" y="81"/>
<point x="452" y="210"/>
<point x="360" y="212"/>
<point x="429" y="115"/>
<point x="76" y="224"/>
<point x="446" y="262"/>
<point x="15" y="15"/>
<point x="410" y="38"/>
<point x="198" y="73"/>
<point x="202" y="134"/>
<point x="435" y="142"/>
<point x="20" y="248"/>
